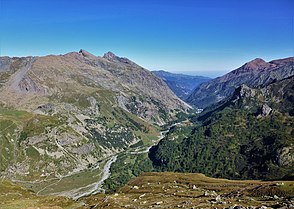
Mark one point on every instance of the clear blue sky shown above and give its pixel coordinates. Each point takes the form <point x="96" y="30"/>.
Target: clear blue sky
<point x="182" y="35"/>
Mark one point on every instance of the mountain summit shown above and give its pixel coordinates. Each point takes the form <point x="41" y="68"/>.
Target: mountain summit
<point x="109" y="55"/>
<point x="254" y="73"/>
<point x="257" y="64"/>
<point x="87" y="54"/>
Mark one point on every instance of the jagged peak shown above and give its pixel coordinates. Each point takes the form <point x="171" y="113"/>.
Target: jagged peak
<point x="112" y="57"/>
<point x="87" y="54"/>
<point x="109" y="55"/>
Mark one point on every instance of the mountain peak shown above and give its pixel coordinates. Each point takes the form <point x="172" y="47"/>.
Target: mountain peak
<point x="87" y="54"/>
<point x="109" y="55"/>
<point x="254" y="73"/>
<point x="257" y="60"/>
<point x="256" y="64"/>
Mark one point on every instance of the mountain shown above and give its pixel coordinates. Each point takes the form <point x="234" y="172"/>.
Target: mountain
<point x="182" y="85"/>
<point x="254" y="73"/>
<point x="250" y="135"/>
<point x="60" y="115"/>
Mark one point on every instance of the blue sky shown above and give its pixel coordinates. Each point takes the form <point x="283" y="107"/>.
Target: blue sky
<point x="195" y="36"/>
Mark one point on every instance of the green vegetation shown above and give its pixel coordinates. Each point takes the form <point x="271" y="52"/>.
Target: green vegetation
<point x="12" y="196"/>
<point x="234" y="139"/>
<point x="65" y="184"/>
<point x="229" y="144"/>
<point x="126" y="167"/>
<point x="121" y="127"/>
<point x="10" y="120"/>
<point x="38" y="125"/>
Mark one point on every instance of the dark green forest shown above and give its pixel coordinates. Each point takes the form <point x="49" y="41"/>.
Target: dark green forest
<point x="235" y="139"/>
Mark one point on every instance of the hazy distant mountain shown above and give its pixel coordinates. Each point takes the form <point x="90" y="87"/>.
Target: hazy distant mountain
<point x="182" y="85"/>
<point x="254" y="73"/>
<point x="60" y="114"/>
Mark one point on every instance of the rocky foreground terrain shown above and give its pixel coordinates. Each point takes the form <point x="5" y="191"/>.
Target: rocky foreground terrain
<point x="166" y="190"/>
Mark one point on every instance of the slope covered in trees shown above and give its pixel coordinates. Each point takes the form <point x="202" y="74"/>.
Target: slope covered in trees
<point x="249" y="136"/>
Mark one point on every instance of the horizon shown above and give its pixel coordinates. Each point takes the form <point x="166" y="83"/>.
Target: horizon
<point x="193" y="37"/>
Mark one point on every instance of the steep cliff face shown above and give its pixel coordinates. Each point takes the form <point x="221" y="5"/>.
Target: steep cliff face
<point x="254" y="73"/>
<point x="61" y="114"/>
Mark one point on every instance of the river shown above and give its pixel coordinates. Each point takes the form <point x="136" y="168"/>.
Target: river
<point x="97" y="186"/>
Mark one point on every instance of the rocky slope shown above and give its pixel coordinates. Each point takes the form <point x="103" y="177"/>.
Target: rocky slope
<point x="182" y="85"/>
<point x="247" y="136"/>
<point x="75" y="73"/>
<point x="66" y="113"/>
<point x="254" y="73"/>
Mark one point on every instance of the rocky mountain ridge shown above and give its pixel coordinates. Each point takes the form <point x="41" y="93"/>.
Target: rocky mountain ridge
<point x="108" y="72"/>
<point x="254" y="73"/>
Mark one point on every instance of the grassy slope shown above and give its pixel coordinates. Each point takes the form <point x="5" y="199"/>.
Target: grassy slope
<point x="14" y="197"/>
<point x="164" y="190"/>
<point x="10" y="122"/>
<point x="178" y="190"/>
<point x="16" y="126"/>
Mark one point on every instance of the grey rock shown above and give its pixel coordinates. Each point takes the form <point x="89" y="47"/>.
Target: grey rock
<point x="285" y="156"/>
<point x="245" y="91"/>
<point x="265" y="110"/>
<point x="218" y="198"/>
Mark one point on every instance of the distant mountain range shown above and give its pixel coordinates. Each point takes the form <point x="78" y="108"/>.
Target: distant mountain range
<point x="254" y="73"/>
<point x="182" y="85"/>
